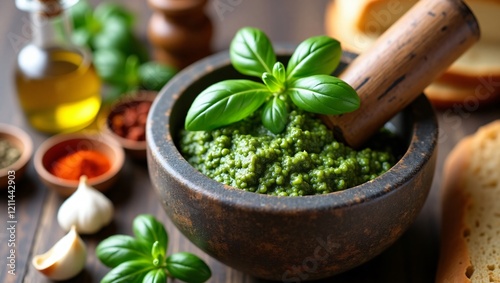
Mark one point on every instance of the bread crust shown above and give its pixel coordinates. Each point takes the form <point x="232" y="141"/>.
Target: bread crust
<point x="469" y="225"/>
<point x="444" y="94"/>
<point x="454" y="257"/>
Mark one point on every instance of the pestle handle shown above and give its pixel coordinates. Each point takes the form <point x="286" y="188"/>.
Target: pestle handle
<point x="413" y="52"/>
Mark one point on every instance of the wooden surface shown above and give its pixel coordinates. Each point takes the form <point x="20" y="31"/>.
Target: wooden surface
<point x="411" y="259"/>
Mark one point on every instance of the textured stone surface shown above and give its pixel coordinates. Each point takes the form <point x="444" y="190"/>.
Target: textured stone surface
<point x="283" y="238"/>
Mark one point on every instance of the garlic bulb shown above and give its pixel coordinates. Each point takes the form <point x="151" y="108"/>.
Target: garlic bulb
<point x="65" y="259"/>
<point x="88" y="209"/>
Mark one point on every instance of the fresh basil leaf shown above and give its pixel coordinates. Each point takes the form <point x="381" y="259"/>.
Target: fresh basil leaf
<point x="314" y="56"/>
<point x="114" y="35"/>
<point x="120" y="248"/>
<point x="323" y="94"/>
<point x="275" y="115"/>
<point x="158" y="275"/>
<point x="272" y="83"/>
<point x="224" y="103"/>
<point x="149" y="230"/>
<point x="131" y="77"/>
<point x="154" y="75"/>
<point x="81" y="37"/>
<point x="157" y="251"/>
<point x="106" y="10"/>
<point x="80" y="13"/>
<point x="188" y="267"/>
<point x="251" y="52"/>
<point x="279" y="72"/>
<point x="110" y="65"/>
<point x="132" y="271"/>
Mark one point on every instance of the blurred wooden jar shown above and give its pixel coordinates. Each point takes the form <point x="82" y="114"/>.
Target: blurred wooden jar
<point x="180" y="31"/>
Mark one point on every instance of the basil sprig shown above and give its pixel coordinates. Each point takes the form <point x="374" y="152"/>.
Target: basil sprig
<point x="142" y="259"/>
<point x="306" y="81"/>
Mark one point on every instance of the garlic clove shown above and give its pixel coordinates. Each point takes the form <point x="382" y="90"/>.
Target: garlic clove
<point x="65" y="259"/>
<point x="87" y="208"/>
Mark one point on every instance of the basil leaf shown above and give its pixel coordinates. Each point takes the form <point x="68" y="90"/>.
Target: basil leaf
<point x="323" y="94"/>
<point x="251" y="52"/>
<point x="80" y="14"/>
<point x="149" y="230"/>
<point x="272" y="83"/>
<point x="158" y="275"/>
<point x="314" y="56"/>
<point x="188" y="267"/>
<point x="106" y="10"/>
<point x="279" y="72"/>
<point x="275" y="115"/>
<point x="224" y="103"/>
<point x="154" y="75"/>
<point x="132" y="71"/>
<point x="110" y="65"/>
<point x="82" y="37"/>
<point x="158" y="252"/>
<point x="114" y="35"/>
<point x="120" y="248"/>
<point x="129" y="272"/>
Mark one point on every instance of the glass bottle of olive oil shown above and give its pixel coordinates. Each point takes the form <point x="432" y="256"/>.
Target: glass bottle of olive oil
<point x="57" y="85"/>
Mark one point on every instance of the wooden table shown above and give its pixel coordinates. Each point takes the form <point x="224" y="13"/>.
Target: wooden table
<point x="411" y="259"/>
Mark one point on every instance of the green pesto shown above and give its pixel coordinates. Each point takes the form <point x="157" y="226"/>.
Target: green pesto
<point x="304" y="159"/>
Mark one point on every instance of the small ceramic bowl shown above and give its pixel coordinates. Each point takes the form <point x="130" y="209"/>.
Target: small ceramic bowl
<point x="22" y="141"/>
<point x="290" y="239"/>
<point x="133" y="148"/>
<point x="60" y="145"/>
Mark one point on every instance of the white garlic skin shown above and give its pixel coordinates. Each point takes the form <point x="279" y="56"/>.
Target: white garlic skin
<point x="87" y="208"/>
<point x="65" y="259"/>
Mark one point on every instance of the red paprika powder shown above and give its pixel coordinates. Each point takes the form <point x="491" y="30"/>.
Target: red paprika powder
<point x="82" y="162"/>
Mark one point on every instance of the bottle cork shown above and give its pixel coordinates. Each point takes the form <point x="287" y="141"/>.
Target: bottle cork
<point x="51" y="8"/>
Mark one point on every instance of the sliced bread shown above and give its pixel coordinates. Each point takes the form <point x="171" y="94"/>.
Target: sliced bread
<point x="358" y="23"/>
<point x="470" y="230"/>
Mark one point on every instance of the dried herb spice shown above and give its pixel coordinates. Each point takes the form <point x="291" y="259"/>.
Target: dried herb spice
<point x="8" y="153"/>
<point x="130" y="121"/>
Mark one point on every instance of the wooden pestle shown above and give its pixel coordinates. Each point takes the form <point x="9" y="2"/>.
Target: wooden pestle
<point x="419" y="47"/>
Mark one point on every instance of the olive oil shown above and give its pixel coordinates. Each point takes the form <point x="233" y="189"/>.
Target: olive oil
<point x="57" y="85"/>
<point x="58" y="89"/>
